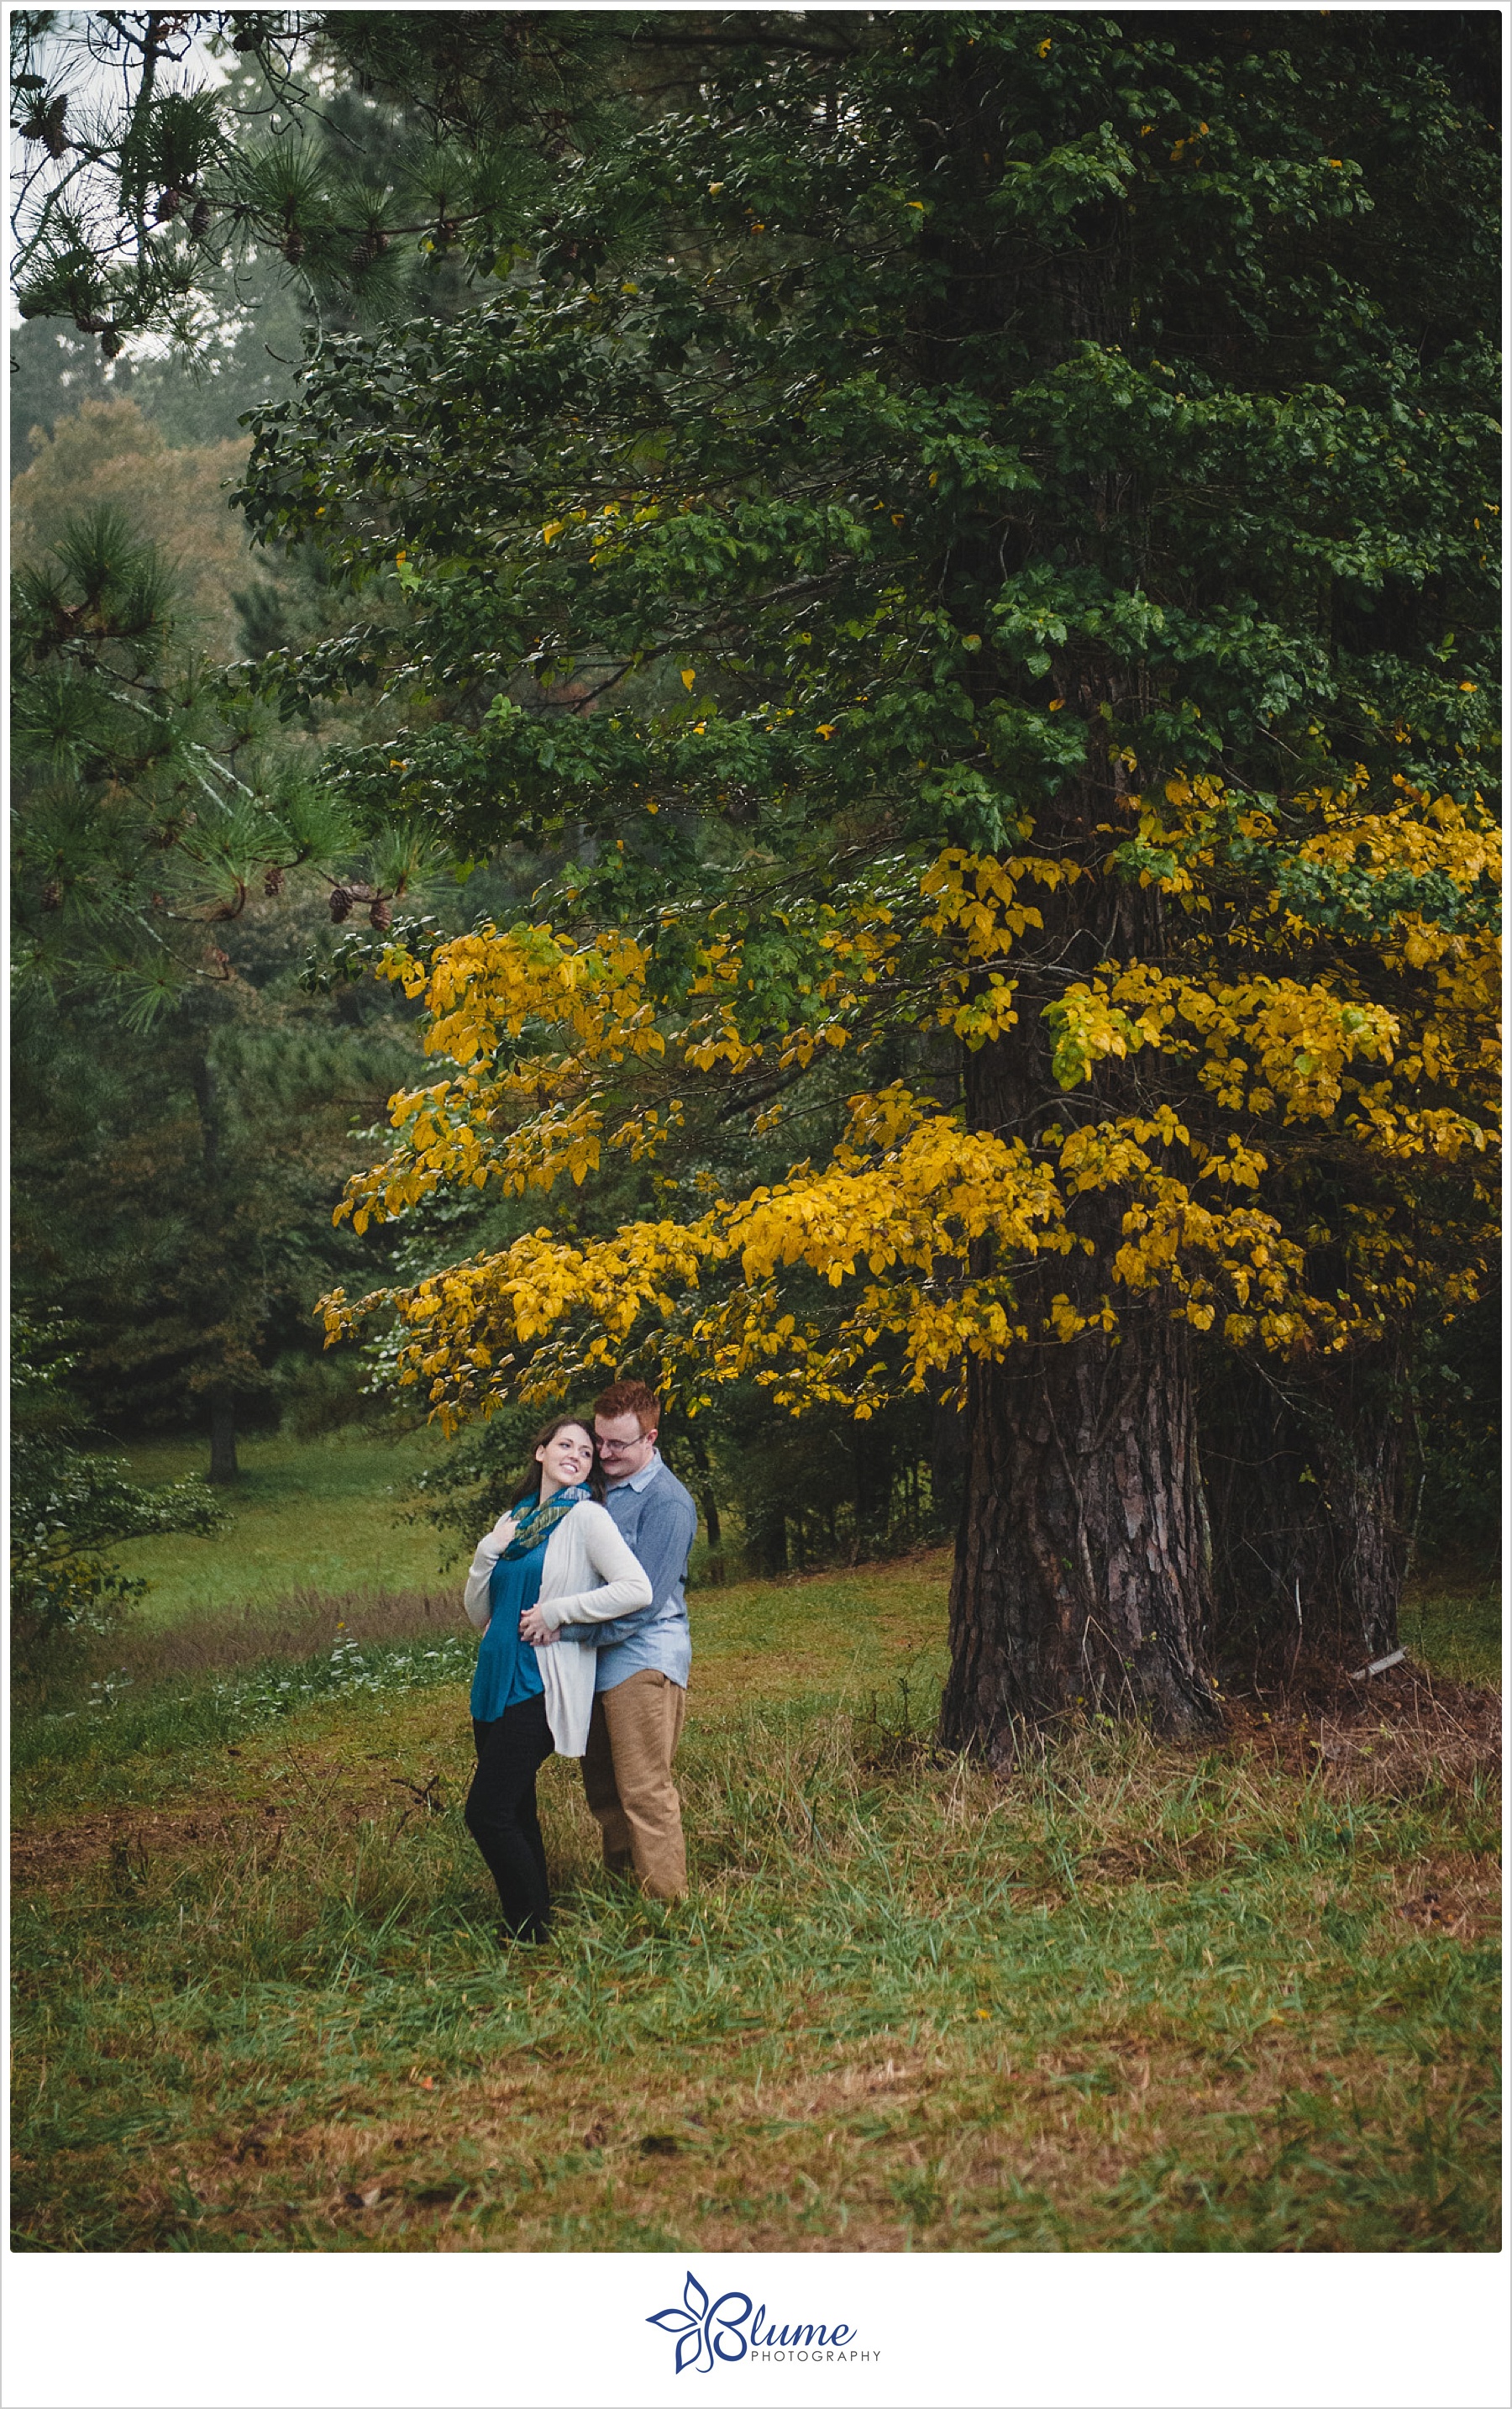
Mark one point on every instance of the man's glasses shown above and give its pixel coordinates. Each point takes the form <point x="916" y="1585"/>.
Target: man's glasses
<point x="619" y="1446"/>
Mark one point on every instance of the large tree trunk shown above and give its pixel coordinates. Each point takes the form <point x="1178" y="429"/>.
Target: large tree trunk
<point x="1304" y="1476"/>
<point x="1081" y="1570"/>
<point x="1081" y="1574"/>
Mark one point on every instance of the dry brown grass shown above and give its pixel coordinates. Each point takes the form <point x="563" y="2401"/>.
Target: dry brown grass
<point x="304" y="1622"/>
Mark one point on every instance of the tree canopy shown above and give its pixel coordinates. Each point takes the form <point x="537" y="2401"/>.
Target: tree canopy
<point x="784" y="557"/>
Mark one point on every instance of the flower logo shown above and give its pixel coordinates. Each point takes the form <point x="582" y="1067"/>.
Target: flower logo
<point x="705" y="2329"/>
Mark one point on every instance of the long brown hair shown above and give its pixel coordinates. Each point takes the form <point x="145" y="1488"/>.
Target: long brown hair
<point x="531" y="1489"/>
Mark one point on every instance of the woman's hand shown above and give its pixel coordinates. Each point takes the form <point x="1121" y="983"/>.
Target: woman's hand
<point x="503" y="1532"/>
<point x="536" y="1629"/>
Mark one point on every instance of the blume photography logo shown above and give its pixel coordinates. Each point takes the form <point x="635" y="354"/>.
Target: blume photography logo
<point x="729" y="2328"/>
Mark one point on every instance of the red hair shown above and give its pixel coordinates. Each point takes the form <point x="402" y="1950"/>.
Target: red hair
<point x="629" y="1397"/>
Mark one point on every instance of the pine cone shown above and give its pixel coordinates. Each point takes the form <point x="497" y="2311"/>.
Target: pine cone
<point x="340" y="903"/>
<point x="382" y="914"/>
<point x="199" y="225"/>
<point x="111" y="343"/>
<point x="167" y="205"/>
<point x="293" y="247"/>
<point x="51" y="896"/>
<point x="46" y="125"/>
<point x="273" y="881"/>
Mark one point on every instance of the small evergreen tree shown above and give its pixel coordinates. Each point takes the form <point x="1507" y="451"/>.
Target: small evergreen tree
<point x="173" y="859"/>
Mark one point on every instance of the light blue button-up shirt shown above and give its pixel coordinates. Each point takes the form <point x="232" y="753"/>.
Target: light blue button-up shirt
<point x="659" y="1523"/>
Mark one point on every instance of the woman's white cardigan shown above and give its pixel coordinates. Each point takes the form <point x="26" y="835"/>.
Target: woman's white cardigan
<point x="588" y="1576"/>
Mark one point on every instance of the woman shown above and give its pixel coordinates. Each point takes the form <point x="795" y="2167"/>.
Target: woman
<point x="556" y="1550"/>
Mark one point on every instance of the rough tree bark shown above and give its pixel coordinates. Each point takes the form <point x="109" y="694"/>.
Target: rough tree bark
<point x="1082" y="1565"/>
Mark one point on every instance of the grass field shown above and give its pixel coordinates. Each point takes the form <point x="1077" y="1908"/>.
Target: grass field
<point x="1139" y="1997"/>
<point x="324" y="1514"/>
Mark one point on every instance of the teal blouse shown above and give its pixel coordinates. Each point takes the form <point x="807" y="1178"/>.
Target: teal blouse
<point x="507" y="1670"/>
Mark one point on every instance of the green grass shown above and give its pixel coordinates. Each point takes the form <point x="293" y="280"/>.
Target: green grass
<point x="1140" y="1997"/>
<point x="1455" y="1625"/>
<point x="326" y="1516"/>
<point x="305" y="1514"/>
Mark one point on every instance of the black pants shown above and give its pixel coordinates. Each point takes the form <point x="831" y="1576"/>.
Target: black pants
<point x="501" y="1813"/>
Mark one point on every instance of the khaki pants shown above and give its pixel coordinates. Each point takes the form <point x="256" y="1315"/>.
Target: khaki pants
<point x="627" y="1775"/>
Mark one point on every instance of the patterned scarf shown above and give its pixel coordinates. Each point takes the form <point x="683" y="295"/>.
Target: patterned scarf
<point x="535" y="1524"/>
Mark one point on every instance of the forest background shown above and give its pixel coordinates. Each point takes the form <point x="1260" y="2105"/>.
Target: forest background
<point x="174" y="1170"/>
<point x="173" y="1186"/>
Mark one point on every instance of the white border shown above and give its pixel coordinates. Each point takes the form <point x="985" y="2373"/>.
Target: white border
<point x="478" y="2331"/>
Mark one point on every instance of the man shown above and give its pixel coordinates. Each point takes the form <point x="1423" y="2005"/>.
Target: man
<point x="640" y="1686"/>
